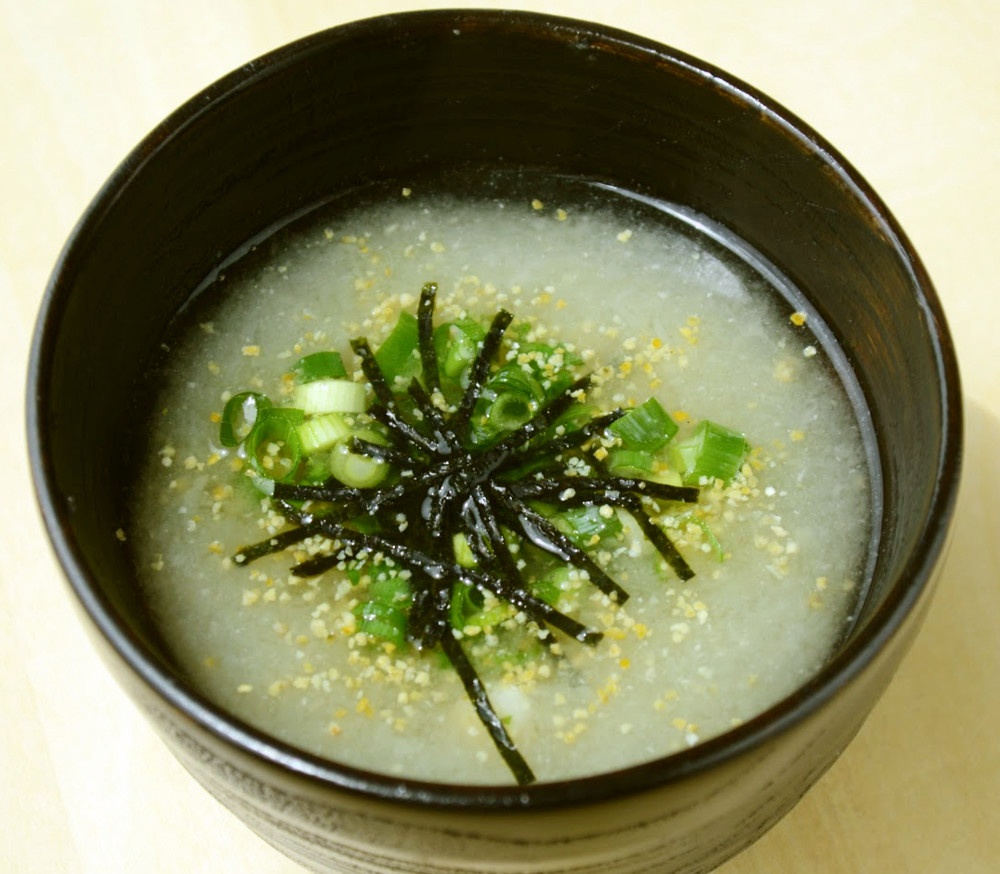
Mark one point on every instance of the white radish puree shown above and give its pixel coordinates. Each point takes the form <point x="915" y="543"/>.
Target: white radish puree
<point x="654" y="311"/>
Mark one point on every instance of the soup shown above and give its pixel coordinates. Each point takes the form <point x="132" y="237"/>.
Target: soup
<point x="627" y="643"/>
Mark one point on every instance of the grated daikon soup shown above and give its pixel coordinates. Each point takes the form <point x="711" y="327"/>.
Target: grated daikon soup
<point x="656" y="304"/>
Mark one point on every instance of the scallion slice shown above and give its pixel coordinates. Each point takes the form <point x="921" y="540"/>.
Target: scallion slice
<point x="713" y="451"/>
<point x="630" y="462"/>
<point x="510" y="398"/>
<point x="399" y="354"/>
<point x="589" y="524"/>
<point x="507" y="412"/>
<point x="466" y="600"/>
<point x="319" y="365"/>
<point x="552" y="366"/>
<point x="575" y="418"/>
<point x="384" y="615"/>
<point x="239" y="416"/>
<point x="550" y="586"/>
<point x="330" y="396"/>
<point x="648" y="427"/>
<point x="456" y="344"/>
<point x="321" y="432"/>
<point x="468" y="608"/>
<point x="544" y="354"/>
<point x="354" y="469"/>
<point x="273" y="447"/>
<point x="463" y="552"/>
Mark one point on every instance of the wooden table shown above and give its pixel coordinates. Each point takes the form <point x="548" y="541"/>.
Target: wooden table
<point x="908" y="91"/>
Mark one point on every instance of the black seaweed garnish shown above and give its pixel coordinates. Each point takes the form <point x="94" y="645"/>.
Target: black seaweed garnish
<point x="447" y="485"/>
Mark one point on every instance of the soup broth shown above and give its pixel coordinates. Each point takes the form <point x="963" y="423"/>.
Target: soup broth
<point x="650" y="304"/>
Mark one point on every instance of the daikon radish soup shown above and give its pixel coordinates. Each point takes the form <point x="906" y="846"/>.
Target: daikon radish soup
<point x="526" y="482"/>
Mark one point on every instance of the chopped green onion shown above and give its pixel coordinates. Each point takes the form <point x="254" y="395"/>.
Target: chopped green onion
<point x="648" y="427"/>
<point x="575" y="417"/>
<point x="263" y="484"/>
<point x="463" y="552"/>
<point x="545" y="352"/>
<point x="547" y="589"/>
<point x="553" y="583"/>
<point x="319" y="365"/>
<point x="467" y="608"/>
<point x="316" y="469"/>
<point x="273" y="448"/>
<point x="665" y="475"/>
<point x="712" y="451"/>
<point x="356" y="470"/>
<point x="330" y="396"/>
<point x="390" y="588"/>
<point x="384" y="615"/>
<point x="630" y="462"/>
<point x="588" y="525"/>
<point x="507" y="412"/>
<point x="399" y="354"/>
<point x="239" y="415"/>
<point x="510" y="398"/>
<point x="456" y="344"/>
<point x="321" y="432"/>
<point x="466" y="601"/>
<point x="550" y="365"/>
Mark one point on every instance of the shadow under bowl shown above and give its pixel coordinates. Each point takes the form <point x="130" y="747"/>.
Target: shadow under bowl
<point x="417" y="94"/>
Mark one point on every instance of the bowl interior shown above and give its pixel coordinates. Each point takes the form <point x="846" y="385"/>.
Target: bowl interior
<point x="401" y="97"/>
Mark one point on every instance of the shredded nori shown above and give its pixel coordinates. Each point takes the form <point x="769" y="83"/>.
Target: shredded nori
<point x="448" y="485"/>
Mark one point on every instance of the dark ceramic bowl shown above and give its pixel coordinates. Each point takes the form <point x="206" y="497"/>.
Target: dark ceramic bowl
<point x="416" y="94"/>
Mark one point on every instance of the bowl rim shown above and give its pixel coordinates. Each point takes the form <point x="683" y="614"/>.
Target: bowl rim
<point x="837" y="674"/>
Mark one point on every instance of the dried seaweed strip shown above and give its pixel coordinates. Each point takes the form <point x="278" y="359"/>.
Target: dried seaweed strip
<point x="476" y="692"/>
<point x="425" y="333"/>
<point x="479" y="370"/>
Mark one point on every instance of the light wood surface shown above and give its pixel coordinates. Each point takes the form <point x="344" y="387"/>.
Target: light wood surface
<point x="908" y="90"/>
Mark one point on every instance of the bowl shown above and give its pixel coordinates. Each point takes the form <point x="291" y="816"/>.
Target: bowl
<point x="418" y="94"/>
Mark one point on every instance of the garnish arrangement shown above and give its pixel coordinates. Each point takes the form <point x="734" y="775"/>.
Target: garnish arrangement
<point x="461" y="479"/>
